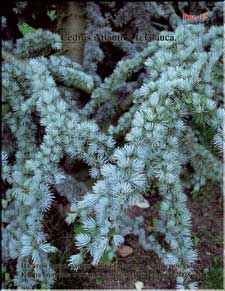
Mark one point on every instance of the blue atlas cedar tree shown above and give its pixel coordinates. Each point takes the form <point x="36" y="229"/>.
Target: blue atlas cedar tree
<point x="176" y="96"/>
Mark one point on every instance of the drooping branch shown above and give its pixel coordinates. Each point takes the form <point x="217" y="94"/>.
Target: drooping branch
<point x="9" y="58"/>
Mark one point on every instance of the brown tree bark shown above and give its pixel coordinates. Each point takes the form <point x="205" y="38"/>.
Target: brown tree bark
<point x="71" y="25"/>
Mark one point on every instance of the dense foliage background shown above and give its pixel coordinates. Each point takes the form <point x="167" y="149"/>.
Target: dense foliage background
<point x="112" y="148"/>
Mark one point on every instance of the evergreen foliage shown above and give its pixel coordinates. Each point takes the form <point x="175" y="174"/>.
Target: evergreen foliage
<point x="171" y="121"/>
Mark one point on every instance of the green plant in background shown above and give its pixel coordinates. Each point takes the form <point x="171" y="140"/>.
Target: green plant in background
<point x="196" y="241"/>
<point x="98" y="281"/>
<point x="52" y="14"/>
<point x="6" y="278"/>
<point x="214" y="276"/>
<point x="172" y="97"/>
<point x="204" y="194"/>
<point x="4" y="109"/>
<point x="25" y="28"/>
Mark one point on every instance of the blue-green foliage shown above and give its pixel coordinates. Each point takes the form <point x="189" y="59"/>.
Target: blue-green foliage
<point x="177" y="99"/>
